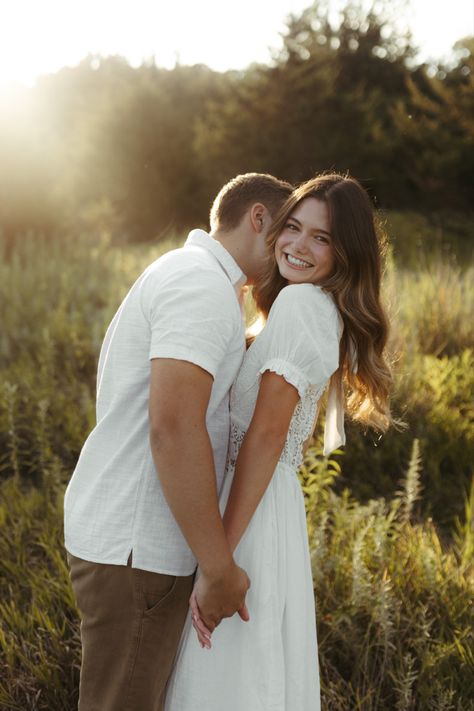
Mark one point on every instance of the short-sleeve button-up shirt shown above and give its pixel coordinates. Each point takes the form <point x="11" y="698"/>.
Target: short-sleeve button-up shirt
<point x="185" y="305"/>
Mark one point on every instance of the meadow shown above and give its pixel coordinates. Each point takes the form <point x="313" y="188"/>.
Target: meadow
<point x="390" y="520"/>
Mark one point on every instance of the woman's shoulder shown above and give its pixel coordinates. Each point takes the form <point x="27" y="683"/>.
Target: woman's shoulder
<point x="302" y="329"/>
<point x="306" y="299"/>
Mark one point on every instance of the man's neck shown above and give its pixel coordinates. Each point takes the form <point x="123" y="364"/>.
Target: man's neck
<point x="236" y="243"/>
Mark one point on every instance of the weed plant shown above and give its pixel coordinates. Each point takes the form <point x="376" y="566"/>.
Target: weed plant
<point x="395" y="607"/>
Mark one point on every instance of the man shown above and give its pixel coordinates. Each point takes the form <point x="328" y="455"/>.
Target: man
<point x="141" y="510"/>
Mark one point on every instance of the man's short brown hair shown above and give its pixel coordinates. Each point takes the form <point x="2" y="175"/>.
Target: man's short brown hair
<point x="235" y="198"/>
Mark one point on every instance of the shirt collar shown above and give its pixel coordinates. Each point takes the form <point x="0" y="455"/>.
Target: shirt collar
<point x="225" y="259"/>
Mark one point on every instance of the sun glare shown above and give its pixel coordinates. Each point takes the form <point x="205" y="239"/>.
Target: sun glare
<point x="41" y="37"/>
<point x="255" y="327"/>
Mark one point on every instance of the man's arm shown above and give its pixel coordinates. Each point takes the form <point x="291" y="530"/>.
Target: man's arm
<point x="182" y="452"/>
<point x="259" y="452"/>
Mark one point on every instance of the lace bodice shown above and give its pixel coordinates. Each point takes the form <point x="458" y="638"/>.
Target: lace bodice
<point x="300" y="429"/>
<point x="300" y="342"/>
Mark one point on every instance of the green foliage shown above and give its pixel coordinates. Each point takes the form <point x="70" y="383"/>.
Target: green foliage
<point x="394" y="606"/>
<point x="58" y="297"/>
<point x="393" y="576"/>
<point x="425" y="240"/>
<point x="432" y="308"/>
<point x="433" y="342"/>
<point x="39" y="631"/>
<point x="435" y="397"/>
<point x="57" y="300"/>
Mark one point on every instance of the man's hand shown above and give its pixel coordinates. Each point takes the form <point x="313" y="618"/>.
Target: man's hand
<point x="216" y="597"/>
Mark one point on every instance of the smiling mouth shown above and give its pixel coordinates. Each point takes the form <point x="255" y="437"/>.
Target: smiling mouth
<point x="297" y="263"/>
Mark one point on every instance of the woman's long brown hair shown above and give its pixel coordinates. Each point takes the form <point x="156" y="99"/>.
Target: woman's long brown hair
<point x="355" y="286"/>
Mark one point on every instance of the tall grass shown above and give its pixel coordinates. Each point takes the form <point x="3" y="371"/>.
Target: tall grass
<point x="56" y="301"/>
<point x="391" y="522"/>
<point x="39" y="629"/>
<point x="431" y="308"/>
<point x="394" y="606"/>
<point x="432" y="345"/>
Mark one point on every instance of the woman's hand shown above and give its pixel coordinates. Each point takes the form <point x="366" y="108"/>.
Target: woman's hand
<point x="203" y="634"/>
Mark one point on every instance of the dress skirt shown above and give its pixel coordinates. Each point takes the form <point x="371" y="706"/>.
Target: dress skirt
<point x="271" y="662"/>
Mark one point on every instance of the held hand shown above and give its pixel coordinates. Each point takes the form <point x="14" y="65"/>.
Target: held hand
<point x="202" y="632"/>
<point x="221" y="595"/>
<point x="244" y="613"/>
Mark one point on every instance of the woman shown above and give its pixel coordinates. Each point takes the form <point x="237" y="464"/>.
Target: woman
<point x="325" y="327"/>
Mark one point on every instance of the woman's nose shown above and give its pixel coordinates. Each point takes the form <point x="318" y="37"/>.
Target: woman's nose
<point x="301" y="242"/>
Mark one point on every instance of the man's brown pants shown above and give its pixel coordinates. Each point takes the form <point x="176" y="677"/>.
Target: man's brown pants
<point x="131" y="626"/>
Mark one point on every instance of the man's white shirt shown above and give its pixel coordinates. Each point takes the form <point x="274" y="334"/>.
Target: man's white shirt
<point x="185" y="306"/>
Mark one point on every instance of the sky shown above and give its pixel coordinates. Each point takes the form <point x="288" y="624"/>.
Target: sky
<point x="41" y="36"/>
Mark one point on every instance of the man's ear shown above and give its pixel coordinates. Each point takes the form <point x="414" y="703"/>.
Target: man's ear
<point x="259" y="217"/>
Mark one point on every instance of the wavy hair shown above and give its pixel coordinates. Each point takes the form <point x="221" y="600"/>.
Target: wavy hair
<point x="355" y="286"/>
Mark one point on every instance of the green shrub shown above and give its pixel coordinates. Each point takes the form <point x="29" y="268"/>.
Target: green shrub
<point x="433" y="348"/>
<point x="436" y="399"/>
<point x="394" y="606"/>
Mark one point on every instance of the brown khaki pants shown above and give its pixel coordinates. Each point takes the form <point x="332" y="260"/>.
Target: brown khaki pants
<point x="132" y="622"/>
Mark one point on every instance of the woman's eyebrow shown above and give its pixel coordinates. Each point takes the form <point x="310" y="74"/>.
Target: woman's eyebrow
<point x="318" y="229"/>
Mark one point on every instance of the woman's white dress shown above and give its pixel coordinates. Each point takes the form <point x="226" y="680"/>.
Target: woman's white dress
<point x="271" y="662"/>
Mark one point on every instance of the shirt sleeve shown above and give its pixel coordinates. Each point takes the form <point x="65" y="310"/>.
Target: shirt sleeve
<point x="301" y="337"/>
<point x="193" y="316"/>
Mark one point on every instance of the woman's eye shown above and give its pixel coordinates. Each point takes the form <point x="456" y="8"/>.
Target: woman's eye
<point x="291" y="226"/>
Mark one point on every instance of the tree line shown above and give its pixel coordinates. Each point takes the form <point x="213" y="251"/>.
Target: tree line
<point x="140" y="152"/>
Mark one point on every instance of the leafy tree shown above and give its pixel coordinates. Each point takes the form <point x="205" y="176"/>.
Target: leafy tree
<point x="141" y="152"/>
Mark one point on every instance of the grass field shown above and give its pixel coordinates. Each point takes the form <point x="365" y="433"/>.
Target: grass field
<point x="391" y="521"/>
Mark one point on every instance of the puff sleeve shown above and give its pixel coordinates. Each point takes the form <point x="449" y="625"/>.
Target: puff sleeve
<point x="302" y="336"/>
<point x="302" y="344"/>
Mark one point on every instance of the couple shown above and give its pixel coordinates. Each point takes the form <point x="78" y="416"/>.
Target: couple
<point x="181" y="471"/>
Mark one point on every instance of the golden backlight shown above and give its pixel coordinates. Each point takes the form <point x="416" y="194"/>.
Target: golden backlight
<point x="39" y="38"/>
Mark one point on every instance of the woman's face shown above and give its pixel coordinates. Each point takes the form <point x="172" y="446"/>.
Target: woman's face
<point x="304" y="250"/>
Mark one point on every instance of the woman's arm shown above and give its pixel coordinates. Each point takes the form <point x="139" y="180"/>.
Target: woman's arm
<point x="256" y="462"/>
<point x="259" y="452"/>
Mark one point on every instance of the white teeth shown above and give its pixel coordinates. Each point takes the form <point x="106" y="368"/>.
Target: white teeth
<point x="297" y="262"/>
